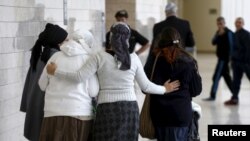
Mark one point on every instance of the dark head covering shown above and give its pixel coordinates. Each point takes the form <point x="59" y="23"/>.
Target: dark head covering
<point x="121" y="13"/>
<point x="49" y="38"/>
<point x="120" y="34"/>
<point x="52" y="35"/>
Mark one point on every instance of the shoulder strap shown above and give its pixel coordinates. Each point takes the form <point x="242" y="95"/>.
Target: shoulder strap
<point x="153" y="69"/>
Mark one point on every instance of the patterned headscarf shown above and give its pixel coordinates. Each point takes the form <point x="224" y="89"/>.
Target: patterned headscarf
<point x="120" y="33"/>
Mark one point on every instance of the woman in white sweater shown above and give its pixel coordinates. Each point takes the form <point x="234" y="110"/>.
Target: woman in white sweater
<point x="68" y="104"/>
<point x="117" y="117"/>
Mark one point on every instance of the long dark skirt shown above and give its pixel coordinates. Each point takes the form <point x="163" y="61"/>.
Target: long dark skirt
<point x="171" y="133"/>
<point x="117" y="121"/>
<point x="63" y="128"/>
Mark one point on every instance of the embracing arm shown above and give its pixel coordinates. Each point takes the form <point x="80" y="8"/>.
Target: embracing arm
<point x="146" y="85"/>
<point x="43" y="81"/>
<point x="86" y="71"/>
<point x="93" y="86"/>
<point x="149" y="87"/>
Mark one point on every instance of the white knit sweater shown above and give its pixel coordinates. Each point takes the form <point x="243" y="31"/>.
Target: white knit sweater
<point x="115" y="84"/>
<point x="66" y="97"/>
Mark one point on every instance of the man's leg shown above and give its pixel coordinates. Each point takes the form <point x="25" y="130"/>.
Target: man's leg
<point x="216" y="78"/>
<point x="237" y="76"/>
<point x="227" y="77"/>
<point x="247" y="70"/>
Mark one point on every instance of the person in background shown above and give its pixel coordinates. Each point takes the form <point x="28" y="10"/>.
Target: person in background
<point x="33" y="98"/>
<point x="172" y="114"/>
<point x="68" y="111"/>
<point x="240" y="59"/>
<point x="182" y="26"/>
<point x="224" y="41"/>
<point x="135" y="37"/>
<point x="117" y="115"/>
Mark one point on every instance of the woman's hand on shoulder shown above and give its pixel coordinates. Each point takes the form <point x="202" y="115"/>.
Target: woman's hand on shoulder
<point x="51" y="68"/>
<point x="172" y="86"/>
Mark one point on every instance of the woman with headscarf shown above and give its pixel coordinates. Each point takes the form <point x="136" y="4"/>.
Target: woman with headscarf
<point x="68" y="111"/>
<point x="117" y="115"/>
<point x="172" y="114"/>
<point x="33" y="98"/>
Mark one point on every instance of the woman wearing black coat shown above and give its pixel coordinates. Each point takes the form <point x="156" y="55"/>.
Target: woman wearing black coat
<point x="171" y="114"/>
<point x="32" y="102"/>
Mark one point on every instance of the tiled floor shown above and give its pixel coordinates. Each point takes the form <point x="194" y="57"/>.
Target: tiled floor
<point x="215" y="112"/>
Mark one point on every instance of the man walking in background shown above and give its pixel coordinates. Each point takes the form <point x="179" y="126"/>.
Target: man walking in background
<point x="223" y="39"/>
<point x="240" y="59"/>
<point x="182" y="26"/>
<point x="135" y="37"/>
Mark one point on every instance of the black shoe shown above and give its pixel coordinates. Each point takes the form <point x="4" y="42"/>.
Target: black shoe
<point x="232" y="102"/>
<point x="209" y="99"/>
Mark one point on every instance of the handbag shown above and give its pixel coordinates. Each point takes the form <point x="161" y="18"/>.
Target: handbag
<point x="146" y="127"/>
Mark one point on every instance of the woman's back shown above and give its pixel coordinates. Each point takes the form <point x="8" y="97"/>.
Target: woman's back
<point x="66" y="97"/>
<point x="173" y="109"/>
<point x="116" y="84"/>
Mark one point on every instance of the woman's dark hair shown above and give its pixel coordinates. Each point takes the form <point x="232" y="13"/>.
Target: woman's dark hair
<point x="169" y="44"/>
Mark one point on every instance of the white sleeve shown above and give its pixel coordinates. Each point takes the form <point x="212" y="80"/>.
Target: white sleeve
<point x="93" y="86"/>
<point x="146" y="85"/>
<point x="84" y="73"/>
<point x="43" y="82"/>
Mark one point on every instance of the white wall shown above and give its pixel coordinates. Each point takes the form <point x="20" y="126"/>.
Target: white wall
<point x="203" y="23"/>
<point x="20" y="23"/>
<point x="149" y="12"/>
<point x="231" y="9"/>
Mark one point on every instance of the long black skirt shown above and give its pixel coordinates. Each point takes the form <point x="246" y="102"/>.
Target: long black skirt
<point x="171" y="133"/>
<point x="117" y="121"/>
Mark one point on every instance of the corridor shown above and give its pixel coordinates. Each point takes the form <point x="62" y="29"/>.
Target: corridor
<point x="22" y="21"/>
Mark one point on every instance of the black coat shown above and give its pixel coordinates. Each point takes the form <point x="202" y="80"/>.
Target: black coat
<point x="33" y="99"/>
<point x="225" y="44"/>
<point x="182" y="26"/>
<point x="241" y="52"/>
<point x="174" y="109"/>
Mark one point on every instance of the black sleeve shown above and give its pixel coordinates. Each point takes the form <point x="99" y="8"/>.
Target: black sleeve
<point x="149" y="65"/>
<point x="215" y="39"/>
<point x="247" y="46"/>
<point x="139" y="38"/>
<point x="195" y="85"/>
<point x="150" y="59"/>
<point x="190" y="39"/>
<point x="107" y="44"/>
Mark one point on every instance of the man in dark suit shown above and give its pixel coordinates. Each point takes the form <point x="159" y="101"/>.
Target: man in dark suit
<point x="240" y="59"/>
<point x="182" y="26"/>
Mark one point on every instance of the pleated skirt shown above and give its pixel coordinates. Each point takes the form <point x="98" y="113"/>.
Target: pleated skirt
<point x="117" y="121"/>
<point x="64" y="128"/>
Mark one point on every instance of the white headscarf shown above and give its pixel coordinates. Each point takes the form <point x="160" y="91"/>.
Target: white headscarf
<point x="85" y="38"/>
